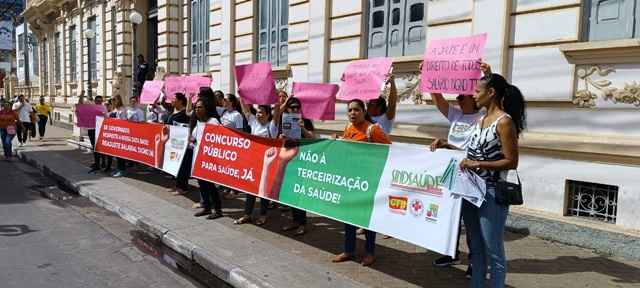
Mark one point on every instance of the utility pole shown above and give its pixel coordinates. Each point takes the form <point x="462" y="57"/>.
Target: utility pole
<point x="25" y="39"/>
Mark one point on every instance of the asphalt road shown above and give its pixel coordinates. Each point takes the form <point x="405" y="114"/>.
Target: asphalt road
<point x="71" y="243"/>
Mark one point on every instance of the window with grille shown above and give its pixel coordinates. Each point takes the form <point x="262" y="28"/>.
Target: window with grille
<point x="395" y="28"/>
<point x="199" y="36"/>
<point x="592" y="200"/>
<point x="610" y="20"/>
<point x="273" y="31"/>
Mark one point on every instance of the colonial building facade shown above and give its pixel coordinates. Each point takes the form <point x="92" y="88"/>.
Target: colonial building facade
<point x="577" y="63"/>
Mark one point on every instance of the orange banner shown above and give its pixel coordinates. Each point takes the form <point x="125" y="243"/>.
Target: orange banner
<point x="138" y="141"/>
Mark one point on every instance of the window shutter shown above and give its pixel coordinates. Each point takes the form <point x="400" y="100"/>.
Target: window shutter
<point x="263" y="31"/>
<point x="283" y="33"/>
<point x="415" y="26"/>
<point x="396" y="26"/>
<point x="378" y="26"/>
<point x="611" y="19"/>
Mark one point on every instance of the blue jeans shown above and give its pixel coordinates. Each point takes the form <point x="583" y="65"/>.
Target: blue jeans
<point x="485" y="228"/>
<point x="350" y="240"/>
<point x="6" y="142"/>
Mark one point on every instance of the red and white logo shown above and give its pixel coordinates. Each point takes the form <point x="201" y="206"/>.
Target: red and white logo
<point x="416" y="208"/>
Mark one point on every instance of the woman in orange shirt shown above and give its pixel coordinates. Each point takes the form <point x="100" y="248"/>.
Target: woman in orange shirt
<point x="360" y="129"/>
<point x="8" y="120"/>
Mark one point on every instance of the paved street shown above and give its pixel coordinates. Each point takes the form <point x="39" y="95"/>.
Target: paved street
<point x="532" y="262"/>
<point x="46" y="243"/>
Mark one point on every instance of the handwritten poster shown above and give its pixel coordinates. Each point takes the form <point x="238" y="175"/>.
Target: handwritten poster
<point x="193" y="83"/>
<point x="318" y="99"/>
<point x="151" y="91"/>
<point x="173" y="85"/>
<point x="363" y="79"/>
<point x="450" y="65"/>
<point x="86" y="114"/>
<point x="255" y="83"/>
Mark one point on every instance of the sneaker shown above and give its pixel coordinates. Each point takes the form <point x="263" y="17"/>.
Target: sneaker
<point x="469" y="272"/>
<point x="21" y="144"/>
<point x="115" y="172"/>
<point x="119" y="174"/>
<point x="446" y="261"/>
<point x="94" y="169"/>
<point x="151" y="168"/>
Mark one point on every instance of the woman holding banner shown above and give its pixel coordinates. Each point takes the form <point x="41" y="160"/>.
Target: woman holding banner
<point x="492" y="152"/>
<point x="294" y="106"/>
<point x="206" y="112"/>
<point x="360" y="129"/>
<point x="263" y="124"/>
<point x="121" y="113"/>
<point x="179" y="117"/>
<point x="232" y="118"/>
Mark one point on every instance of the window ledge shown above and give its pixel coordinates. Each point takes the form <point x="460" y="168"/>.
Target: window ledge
<point x="281" y="71"/>
<point x="614" y="51"/>
<point x="405" y="64"/>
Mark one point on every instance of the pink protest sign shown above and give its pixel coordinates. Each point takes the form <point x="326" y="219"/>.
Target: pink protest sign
<point x="86" y="114"/>
<point x="363" y="79"/>
<point x="450" y="65"/>
<point x="173" y="85"/>
<point x="151" y="91"/>
<point x="193" y="83"/>
<point x="255" y="83"/>
<point x="318" y="100"/>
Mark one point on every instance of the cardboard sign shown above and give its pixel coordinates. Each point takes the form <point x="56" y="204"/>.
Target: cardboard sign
<point x="173" y="85"/>
<point x="256" y="84"/>
<point x="193" y="83"/>
<point x="318" y="99"/>
<point x="363" y="79"/>
<point x="450" y="65"/>
<point x="87" y="113"/>
<point x="151" y="91"/>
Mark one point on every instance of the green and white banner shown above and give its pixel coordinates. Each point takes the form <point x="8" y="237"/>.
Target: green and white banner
<point x="404" y="191"/>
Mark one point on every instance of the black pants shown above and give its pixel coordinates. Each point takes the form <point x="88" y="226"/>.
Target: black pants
<point x="182" y="179"/>
<point x="96" y="156"/>
<point x="122" y="164"/>
<point x="251" y="202"/>
<point x="209" y="195"/>
<point x="42" y="124"/>
<point x="22" y="133"/>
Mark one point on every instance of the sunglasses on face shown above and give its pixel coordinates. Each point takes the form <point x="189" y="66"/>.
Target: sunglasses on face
<point x="294" y="107"/>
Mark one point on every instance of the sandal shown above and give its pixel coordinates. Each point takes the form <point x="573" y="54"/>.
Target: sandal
<point x="291" y="227"/>
<point x="285" y="208"/>
<point x="301" y="231"/>
<point x="242" y="220"/>
<point x="214" y="215"/>
<point x="272" y="205"/>
<point x="385" y="236"/>
<point x="179" y="192"/>
<point x="360" y="231"/>
<point x="202" y="213"/>
<point x="261" y="221"/>
<point x="197" y="205"/>
<point x="231" y="195"/>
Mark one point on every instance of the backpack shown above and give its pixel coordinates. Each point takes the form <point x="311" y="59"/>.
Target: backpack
<point x="368" y="130"/>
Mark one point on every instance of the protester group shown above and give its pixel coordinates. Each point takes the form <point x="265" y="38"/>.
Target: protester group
<point x="486" y="125"/>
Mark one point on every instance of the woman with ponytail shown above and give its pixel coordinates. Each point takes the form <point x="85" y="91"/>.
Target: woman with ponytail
<point x="492" y="152"/>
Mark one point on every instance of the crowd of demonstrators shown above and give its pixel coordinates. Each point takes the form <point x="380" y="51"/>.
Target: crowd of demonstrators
<point x="360" y="129"/>
<point x="262" y="124"/>
<point x="294" y="106"/>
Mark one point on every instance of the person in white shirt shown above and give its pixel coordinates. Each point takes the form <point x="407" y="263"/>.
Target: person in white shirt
<point x="383" y="114"/>
<point x="133" y="112"/>
<point x="25" y="111"/>
<point x="463" y="121"/>
<point x="231" y="117"/>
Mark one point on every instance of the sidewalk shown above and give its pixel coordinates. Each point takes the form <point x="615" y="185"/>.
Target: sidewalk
<point x="252" y="256"/>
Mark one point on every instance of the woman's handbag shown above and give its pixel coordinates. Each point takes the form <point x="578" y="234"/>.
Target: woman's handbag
<point x="508" y="193"/>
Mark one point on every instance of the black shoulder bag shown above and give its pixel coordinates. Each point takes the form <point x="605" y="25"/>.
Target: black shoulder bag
<point x="507" y="193"/>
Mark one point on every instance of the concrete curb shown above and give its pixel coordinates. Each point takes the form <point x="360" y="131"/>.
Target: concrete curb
<point x="225" y="270"/>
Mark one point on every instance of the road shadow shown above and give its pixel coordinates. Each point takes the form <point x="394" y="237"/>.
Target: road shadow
<point x="14" y="230"/>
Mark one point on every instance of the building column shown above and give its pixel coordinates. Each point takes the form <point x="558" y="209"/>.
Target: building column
<point x="169" y="39"/>
<point x="228" y="46"/>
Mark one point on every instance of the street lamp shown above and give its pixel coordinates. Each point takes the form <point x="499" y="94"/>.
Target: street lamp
<point x="89" y="34"/>
<point x="135" y="19"/>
